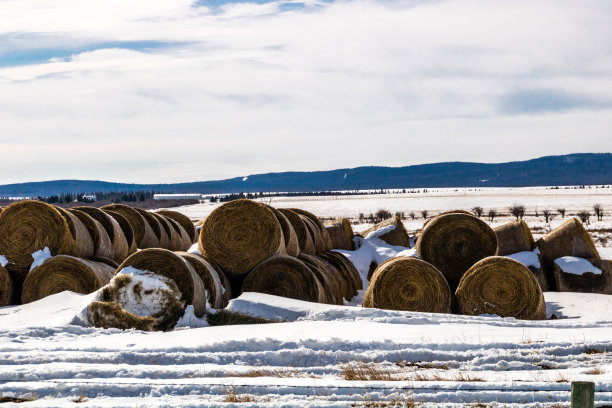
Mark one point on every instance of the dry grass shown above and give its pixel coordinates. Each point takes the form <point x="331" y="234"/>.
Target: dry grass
<point x="401" y="400"/>
<point x="20" y="399"/>
<point x="224" y="318"/>
<point x="422" y="365"/>
<point x="360" y="371"/>
<point x="596" y="371"/>
<point x="593" y="351"/>
<point x="561" y="378"/>
<point x="232" y="396"/>
<point x="279" y="373"/>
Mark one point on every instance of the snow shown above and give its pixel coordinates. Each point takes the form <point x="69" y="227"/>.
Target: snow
<point x="40" y="256"/>
<point x="194" y="249"/>
<point x="380" y="232"/>
<point x="527" y="258"/>
<point x="3" y="261"/>
<point x="576" y="266"/>
<point x="190" y="320"/>
<point x="146" y="294"/>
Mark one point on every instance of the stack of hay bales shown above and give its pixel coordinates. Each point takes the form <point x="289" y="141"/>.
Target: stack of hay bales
<point x="106" y="236"/>
<point x="282" y="252"/>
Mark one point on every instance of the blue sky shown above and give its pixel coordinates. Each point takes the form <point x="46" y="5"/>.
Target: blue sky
<point x="165" y="91"/>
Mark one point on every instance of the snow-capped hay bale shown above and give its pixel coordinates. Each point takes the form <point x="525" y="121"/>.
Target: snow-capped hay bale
<point x="286" y="276"/>
<point x="174" y="241"/>
<point x="239" y="235"/>
<point x="408" y="284"/>
<point x="64" y="272"/>
<point x="500" y="286"/>
<point x="30" y="226"/>
<point x="454" y="242"/>
<point x="143" y="294"/>
<point x="209" y="276"/>
<point x="514" y="237"/>
<point x="6" y="286"/>
<point x="103" y="246"/>
<point x="391" y="231"/>
<point x="304" y="237"/>
<point x="128" y="231"/>
<point x="113" y="229"/>
<point x="84" y="241"/>
<point x="341" y="234"/>
<point x="574" y="274"/>
<point x="315" y="234"/>
<point x="327" y="280"/>
<point x="184" y="241"/>
<point x="183" y="220"/>
<point x="173" y="266"/>
<point x="290" y="237"/>
<point x="317" y="222"/>
<point x="142" y="232"/>
<point x="569" y="239"/>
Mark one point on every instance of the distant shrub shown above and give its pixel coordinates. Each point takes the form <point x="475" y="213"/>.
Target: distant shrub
<point x="517" y="210"/>
<point x="477" y="211"/>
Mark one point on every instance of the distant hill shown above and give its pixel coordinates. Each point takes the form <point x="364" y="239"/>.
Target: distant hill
<point x="572" y="169"/>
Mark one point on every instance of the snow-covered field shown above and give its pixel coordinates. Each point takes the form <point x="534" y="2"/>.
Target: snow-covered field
<point x="320" y="355"/>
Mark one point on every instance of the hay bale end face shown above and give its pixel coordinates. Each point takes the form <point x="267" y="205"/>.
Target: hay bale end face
<point x="454" y="242"/>
<point x="569" y="239"/>
<point x="62" y="273"/>
<point x="283" y="275"/>
<point x="305" y="242"/>
<point x="514" y="237"/>
<point x="408" y="284"/>
<point x="581" y="275"/>
<point x="341" y="234"/>
<point x="501" y="286"/>
<point x="239" y="235"/>
<point x="391" y="231"/>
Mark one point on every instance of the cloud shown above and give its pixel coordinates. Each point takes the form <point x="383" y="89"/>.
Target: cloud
<point x="177" y="91"/>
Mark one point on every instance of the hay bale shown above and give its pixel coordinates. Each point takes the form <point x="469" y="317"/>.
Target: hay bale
<point x="64" y="272"/>
<point x="408" y="284"/>
<point x="152" y="231"/>
<point x="569" y="239"/>
<point x="84" y="241"/>
<point x="103" y="246"/>
<point x="292" y="246"/>
<point x="285" y="276"/>
<point x="210" y="278"/>
<point x="128" y="231"/>
<point x="447" y="212"/>
<point x="581" y="275"/>
<point x="109" y="261"/>
<point x="454" y="242"/>
<point x="327" y="244"/>
<point x="184" y="222"/>
<point x="113" y="229"/>
<point x="350" y="269"/>
<point x="514" y="237"/>
<point x="305" y="242"/>
<point x="166" y="263"/>
<point x="330" y="286"/>
<point x="239" y="235"/>
<point x="315" y="234"/>
<point x="341" y="234"/>
<point x="142" y="231"/>
<point x="184" y="241"/>
<point x="391" y="231"/>
<point x="30" y="226"/>
<point x="500" y="286"/>
<point x="110" y="315"/>
<point x="349" y="289"/>
<point x="225" y="282"/>
<point x="6" y="287"/>
<point x="174" y="240"/>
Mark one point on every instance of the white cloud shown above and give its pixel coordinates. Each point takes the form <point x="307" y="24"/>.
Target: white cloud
<point x="250" y="88"/>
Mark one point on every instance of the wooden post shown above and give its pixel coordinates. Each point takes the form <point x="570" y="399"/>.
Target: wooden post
<point x="583" y="394"/>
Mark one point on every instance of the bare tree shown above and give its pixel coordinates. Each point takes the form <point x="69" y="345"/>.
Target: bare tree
<point x="477" y="211"/>
<point x="361" y="217"/>
<point x="562" y="212"/>
<point x="548" y="215"/>
<point x="412" y="215"/>
<point x="518" y="210"/>
<point x="492" y="214"/>
<point x="382" y="215"/>
<point x="400" y="215"/>
<point x="598" y="211"/>
<point x="584" y="217"/>
<point x="424" y="214"/>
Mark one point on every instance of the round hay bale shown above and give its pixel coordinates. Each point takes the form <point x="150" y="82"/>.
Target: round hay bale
<point x="341" y="234"/>
<point x="184" y="241"/>
<point x="103" y="246"/>
<point x="446" y="212"/>
<point x="352" y="272"/>
<point x="64" y="272"/>
<point x="128" y="231"/>
<point x="174" y="241"/>
<point x="142" y="232"/>
<point x="152" y="232"/>
<point x="514" y="237"/>
<point x="30" y="226"/>
<point x="597" y="280"/>
<point x="292" y="246"/>
<point x="569" y="239"/>
<point x="110" y="315"/>
<point x="209" y="276"/>
<point x="120" y="246"/>
<point x="327" y="244"/>
<point x="286" y="276"/>
<point x="500" y="286"/>
<point x="341" y="285"/>
<point x="408" y="284"/>
<point x="326" y="278"/>
<point x="454" y="242"/>
<point x="109" y="261"/>
<point x="347" y="272"/>
<point x="305" y="242"/>
<point x="184" y="222"/>
<point x="239" y="235"/>
<point x="391" y="231"/>
<point x="84" y="241"/>
<point x="315" y="234"/>
<point x="173" y="266"/>
<point x="225" y="282"/>
<point x="6" y="287"/>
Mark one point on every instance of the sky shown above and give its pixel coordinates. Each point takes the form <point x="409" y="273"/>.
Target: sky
<point x="154" y="91"/>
